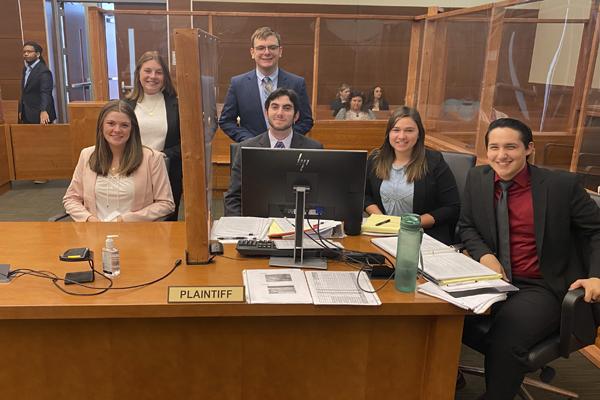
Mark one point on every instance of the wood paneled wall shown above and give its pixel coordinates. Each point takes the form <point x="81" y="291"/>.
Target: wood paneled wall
<point x="12" y="35"/>
<point x="150" y="32"/>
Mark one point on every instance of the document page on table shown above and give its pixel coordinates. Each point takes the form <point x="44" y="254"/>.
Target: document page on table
<point x="341" y="288"/>
<point x="276" y="286"/>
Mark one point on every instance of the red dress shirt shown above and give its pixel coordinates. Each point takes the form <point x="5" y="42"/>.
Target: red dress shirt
<point x="523" y="252"/>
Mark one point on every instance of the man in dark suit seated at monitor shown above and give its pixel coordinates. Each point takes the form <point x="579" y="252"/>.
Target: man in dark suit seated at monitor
<point x="526" y="223"/>
<point x="248" y="92"/>
<point x="281" y="111"/>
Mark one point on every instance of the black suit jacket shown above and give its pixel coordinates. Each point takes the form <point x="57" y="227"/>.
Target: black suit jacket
<point x="243" y="101"/>
<point x="233" y="196"/>
<point x="564" y="215"/>
<point x="435" y="194"/>
<point x="36" y="95"/>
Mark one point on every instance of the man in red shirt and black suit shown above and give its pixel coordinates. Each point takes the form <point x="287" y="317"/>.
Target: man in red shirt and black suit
<point x="526" y="223"/>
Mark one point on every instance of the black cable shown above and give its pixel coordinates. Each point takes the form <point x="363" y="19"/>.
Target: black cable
<point x="99" y="290"/>
<point x="345" y="256"/>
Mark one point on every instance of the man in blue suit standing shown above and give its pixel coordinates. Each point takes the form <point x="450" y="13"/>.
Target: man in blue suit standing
<point x="248" y="92"/>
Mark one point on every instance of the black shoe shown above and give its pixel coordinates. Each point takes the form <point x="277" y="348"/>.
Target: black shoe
<point x="461" y="382"/>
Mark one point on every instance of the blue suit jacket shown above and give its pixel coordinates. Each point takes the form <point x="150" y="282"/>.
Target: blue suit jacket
<point x="243" y="101"/>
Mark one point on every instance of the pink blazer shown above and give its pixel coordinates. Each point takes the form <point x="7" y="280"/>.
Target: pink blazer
<point x="152" y="199"/>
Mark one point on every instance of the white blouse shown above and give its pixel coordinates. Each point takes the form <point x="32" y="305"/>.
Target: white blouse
<point x="114" y="196"/>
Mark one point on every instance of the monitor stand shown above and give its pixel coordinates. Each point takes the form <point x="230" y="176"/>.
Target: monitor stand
<point x="298" y="261"/>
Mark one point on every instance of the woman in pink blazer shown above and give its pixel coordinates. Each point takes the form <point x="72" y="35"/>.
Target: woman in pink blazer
<point x="118" y="179"/>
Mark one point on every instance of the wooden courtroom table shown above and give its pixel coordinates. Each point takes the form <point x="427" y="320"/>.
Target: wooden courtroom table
<point x="132" y="344"/>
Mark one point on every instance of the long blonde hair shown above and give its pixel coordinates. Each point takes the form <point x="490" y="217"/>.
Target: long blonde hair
<point x="384" y="156"/>
<point x="101" y="158"/>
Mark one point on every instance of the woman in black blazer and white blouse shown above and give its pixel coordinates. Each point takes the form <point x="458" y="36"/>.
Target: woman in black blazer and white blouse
<point x="155" y="102"/>
<point x="403" y="176"/>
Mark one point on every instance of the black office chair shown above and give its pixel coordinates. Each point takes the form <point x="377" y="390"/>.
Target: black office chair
<point x="578" y="329"/>
<point x="460" y="164"/>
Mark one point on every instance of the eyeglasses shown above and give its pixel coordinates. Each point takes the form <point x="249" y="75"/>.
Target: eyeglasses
<point x="273" y="47"/>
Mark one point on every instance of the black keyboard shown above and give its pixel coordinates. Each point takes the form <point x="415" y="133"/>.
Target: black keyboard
<point x="253" y="247"/>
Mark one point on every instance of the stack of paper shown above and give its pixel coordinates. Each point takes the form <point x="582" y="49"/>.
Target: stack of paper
<point x="442" y="264"/>
<point x="284" y="228"/>
<point x="381" y="224"/>
<point x="232" y="229"/>
<point x="454" y="277"/>
<point x="478" y="303"/>
<point x="294" y="286"/>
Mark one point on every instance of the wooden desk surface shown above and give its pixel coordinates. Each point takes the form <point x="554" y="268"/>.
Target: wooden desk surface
<point x="131" y="344"/>
<point x="148" y="250"/>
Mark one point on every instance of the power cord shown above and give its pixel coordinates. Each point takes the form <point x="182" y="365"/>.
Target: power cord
<point x="17" y="273"/>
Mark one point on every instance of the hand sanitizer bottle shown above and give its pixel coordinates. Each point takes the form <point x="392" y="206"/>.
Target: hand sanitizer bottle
<point x="111" y="265"/>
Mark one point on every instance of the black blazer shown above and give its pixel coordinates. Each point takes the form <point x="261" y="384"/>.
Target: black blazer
<point x="435" y="194"/>
<point x="563" y="215"/>
<point x="172" y="148"/>
<point x="383" y="106"/>
<point x="233" y="196"/>
<point x="36" y="96"/>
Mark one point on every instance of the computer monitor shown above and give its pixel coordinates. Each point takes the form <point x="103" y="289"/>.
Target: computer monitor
<point x="335" y="181"/>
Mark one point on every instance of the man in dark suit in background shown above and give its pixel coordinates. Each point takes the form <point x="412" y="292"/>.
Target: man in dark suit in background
<point x="248" y="92"/>
<point x="36" y="105"/>
<point x="526" y="223"/>
<point x="281" y="110"/>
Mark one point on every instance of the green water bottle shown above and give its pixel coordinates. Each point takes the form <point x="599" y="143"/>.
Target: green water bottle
<point x="407" y="253"/>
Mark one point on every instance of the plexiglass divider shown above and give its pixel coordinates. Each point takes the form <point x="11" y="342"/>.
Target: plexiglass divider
<point x="461" y="68"/>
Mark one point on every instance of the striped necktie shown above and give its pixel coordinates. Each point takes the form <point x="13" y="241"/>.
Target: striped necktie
<point x="279" y="145"/>
<point x="267" y="85"/>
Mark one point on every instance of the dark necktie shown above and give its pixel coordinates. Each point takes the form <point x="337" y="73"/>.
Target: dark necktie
<point x="279" y="145"/>
<point x="503" y="226"/>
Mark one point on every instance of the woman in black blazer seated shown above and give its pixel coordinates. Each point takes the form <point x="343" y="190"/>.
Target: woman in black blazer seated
<point x="403" y="176"/>
<point x="155" y="102"/>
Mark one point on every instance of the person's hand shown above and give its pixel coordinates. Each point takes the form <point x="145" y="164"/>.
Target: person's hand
<point x="44" y="118"/>
<point x="591" y="287"/>
<point x="93" y="218"/>
<point x="490" y="261"/>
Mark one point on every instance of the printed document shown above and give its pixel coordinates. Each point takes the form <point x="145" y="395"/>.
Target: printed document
<point x="276" y="286"/>
<point x="341" y="287"/>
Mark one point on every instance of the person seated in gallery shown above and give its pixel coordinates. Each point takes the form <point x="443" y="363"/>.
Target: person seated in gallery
<point x="119" y="179"/>
<point x="355" y="109"/>
<point x="405" y="177"/>
<point x="341" y="98"/>
<point x="376" y="101"/>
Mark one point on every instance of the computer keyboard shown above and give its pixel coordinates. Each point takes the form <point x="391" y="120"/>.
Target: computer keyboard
<point x="253" y="247"/>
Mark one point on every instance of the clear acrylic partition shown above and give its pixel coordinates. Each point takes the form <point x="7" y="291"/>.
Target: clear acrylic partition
<point x="297" y="41"/>
<point x="538" y="73"/>
<point x="588" y="158"/>
<point x="209" y="73"/>
<point x="134" y="35"/>
<point x="449" y="102"/>
<point x="363" y="54"/>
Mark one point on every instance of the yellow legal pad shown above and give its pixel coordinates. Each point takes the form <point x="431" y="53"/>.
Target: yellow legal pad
<point x="385" y="224"/>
